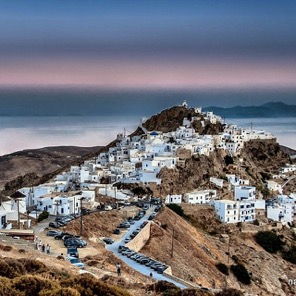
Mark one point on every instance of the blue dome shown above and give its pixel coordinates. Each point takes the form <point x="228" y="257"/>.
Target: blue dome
<point x="154" y="134"/>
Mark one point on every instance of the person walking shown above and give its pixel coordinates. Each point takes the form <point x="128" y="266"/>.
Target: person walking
<point x="118" y="268"/>
<point x="48" y="248"/>
<point x="43" y="248"/>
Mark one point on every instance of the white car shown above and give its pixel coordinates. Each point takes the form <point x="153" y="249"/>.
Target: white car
<point x="75" y="261"/>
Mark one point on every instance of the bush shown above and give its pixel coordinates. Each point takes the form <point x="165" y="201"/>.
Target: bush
<point x="177" y="209"/>
<point x="222" y="268"/>
<point x="230" y="292"/>
<point x="241" y="274"/>
<point x="43" y="216"/>
<point x="32" y="285"/>
<point x="269" y="241"/>
<point x="290" y="255"/>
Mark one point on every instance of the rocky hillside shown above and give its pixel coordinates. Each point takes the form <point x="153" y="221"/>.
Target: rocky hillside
<point x="170" y="119"/>
<point x="34" y="163"/>
<point x="195" y="253"/>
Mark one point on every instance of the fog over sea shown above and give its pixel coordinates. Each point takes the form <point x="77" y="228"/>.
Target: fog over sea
<point x="38" y="118"/>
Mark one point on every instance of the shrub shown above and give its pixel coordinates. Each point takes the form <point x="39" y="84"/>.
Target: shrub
<point x="222" y="268"/>
<point x="43" y="216"/>
<point x="33" y="266"/>
<point x="60" y="292"/>
<point x="230" y="292"/>
<point x="177" y="209"/>
<point x="11" y="268"/>
<point x="290" y="255"/>
<point x="7" y="248"/>
<point x="32" y="285"/>
<point x="241" y="273"/>
<point x="269" y="241"/>
<point x="164" y="287"/>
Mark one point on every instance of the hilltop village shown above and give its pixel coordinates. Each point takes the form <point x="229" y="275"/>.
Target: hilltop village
<point x="139" y="160"/>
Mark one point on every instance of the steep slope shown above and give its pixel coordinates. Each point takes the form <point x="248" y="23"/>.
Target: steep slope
<point x="39" y="162"/>
<point x="195" y="254"/>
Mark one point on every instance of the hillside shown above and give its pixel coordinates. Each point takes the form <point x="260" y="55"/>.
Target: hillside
<point x="40" y="162"/>
<point x="195" y="253"/>
<point x="271" y="109"/>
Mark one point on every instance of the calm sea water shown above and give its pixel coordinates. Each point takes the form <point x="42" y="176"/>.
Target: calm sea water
<point x="18" y="133"/>
<point x="35" y="118"/>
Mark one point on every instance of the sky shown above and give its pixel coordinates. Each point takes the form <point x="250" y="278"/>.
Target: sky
<point x="148" y="44"/>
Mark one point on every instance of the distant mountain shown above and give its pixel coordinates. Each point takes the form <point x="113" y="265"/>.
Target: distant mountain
<point x="272" y="109"/>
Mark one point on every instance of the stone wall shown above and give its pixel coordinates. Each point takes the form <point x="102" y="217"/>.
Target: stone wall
<point x="139" y="241"/>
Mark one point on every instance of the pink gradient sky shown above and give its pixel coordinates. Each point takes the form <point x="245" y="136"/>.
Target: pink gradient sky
<point x="132" y="73"/>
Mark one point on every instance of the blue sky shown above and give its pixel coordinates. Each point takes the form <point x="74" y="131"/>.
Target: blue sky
<point x="153" y="44"/>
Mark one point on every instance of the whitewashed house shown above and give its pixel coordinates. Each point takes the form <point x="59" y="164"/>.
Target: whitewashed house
<point x="200" y="196"/>
<point x="218" y="182"/>
<point x="244" y="192"/>
<point x="274" y="186"/>
<point x="280" y="212"/>
<point x="173" y="199"/>
<point x="227" y="210"/>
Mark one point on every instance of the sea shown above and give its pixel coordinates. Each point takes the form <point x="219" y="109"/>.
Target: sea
<point x="37" y="118"/>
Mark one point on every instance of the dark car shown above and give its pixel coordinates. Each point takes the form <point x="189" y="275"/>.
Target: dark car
<point x="122" y="248"/>
<point x="124" y="225"/>
<point x="53" y="232"/>
<point x="116" y="231"/>
<point x="108" y="240"/>
<point x="60" y="236"/>
<point x="72" y="251"/>
<point x="54" y="224"/>
<point x="75" y="242"/>
<point x="146" y="207"/>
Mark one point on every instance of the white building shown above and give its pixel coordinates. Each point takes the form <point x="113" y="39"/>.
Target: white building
<point x="227" y="210"/>
<point x="274" y="186"/>
<point x="173" y="199"/>
<point x="244" y="192"/>
<point x="280" y="212"/>
<point x="200" y="196"/>
<point x="218" y="182"/>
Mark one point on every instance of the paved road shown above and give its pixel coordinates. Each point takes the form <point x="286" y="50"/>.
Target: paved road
<point x="133" y="264"/>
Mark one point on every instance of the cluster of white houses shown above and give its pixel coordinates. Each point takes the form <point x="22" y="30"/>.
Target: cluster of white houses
<point x="139" y="159"/>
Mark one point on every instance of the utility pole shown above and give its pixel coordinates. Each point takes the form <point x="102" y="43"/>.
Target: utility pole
<point x="81" y="199"/>
<point x="74" y="200"/>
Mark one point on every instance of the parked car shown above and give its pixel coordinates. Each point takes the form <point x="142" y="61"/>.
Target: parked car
<point x="72" y="251"/>
<point x="146" y="207"/>
<point x="60" y="236"/>
<point x="53" y="232"/>
<point x="75" y="261"/>
<point x="128" y="239"/>
<point x="54" y="224"/>
<point x="108" y="240"/>
<point x="75" y="242"/>
<point x="116" y="231"/>
<point x="122" y="248"/>
<point x="124" y="225"/>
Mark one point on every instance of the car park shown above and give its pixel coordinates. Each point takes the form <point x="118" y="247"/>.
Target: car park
<point x="75" y="261"/>
<point x="53" y="232"/>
